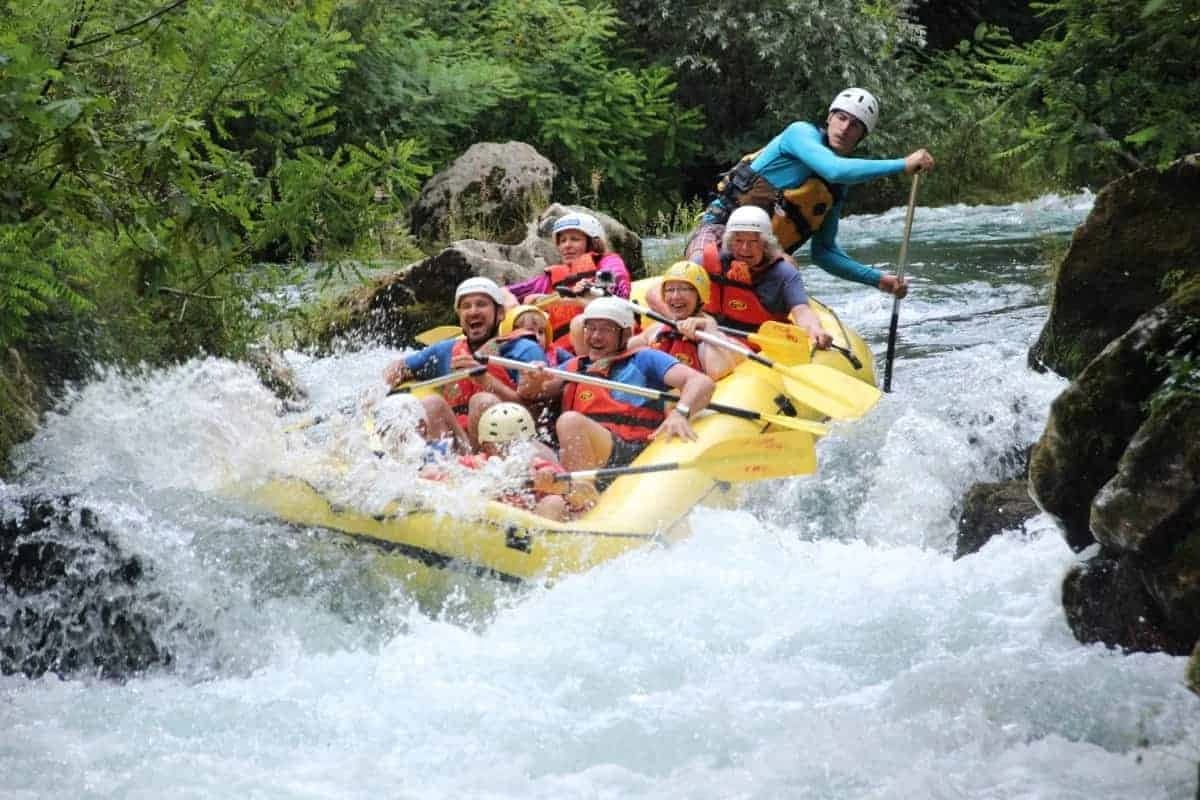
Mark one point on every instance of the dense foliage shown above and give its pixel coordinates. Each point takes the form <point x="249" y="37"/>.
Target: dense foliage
<point x="153" y="153"/>
<point x="151" y="149"/>
<point x="1108" y="87"/>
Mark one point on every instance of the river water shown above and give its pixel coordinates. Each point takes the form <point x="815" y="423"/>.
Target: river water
<point x="818" y="642"/>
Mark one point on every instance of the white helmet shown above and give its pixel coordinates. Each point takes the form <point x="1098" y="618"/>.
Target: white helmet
<point x="579" y="221"/>
<point x="859" y="103"/>
<point x="479" y="286"/>
<point x="749" y="219"/>
<point x="506" y="422"/>
<point x="612" y="309"/>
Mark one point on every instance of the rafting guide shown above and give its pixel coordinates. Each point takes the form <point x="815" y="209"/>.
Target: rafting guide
<point x="800" y="180"/>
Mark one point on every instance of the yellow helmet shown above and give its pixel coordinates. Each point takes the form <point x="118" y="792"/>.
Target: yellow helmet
<point x="510" y="321"/>
<point x="691" y="273"/>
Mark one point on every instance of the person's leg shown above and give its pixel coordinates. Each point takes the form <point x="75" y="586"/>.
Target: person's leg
<point x="552" y="506"/>
<point x="478" y="404"/>
<point x="584" y="443"/>
<point x="441" y="423"/>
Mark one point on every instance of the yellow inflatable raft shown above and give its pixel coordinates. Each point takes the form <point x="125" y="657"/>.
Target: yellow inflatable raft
<point x="634" y="511"/>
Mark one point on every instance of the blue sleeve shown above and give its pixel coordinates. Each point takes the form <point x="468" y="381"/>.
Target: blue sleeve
<point x="522" y="350"/>
<point x="655" y="364"/>
<point x="781" y="289"/>
<point x="793" y="291"/>
<point x="432" y="362"/>
<point x="827" y="255"/>
<point x="804" y="142"/>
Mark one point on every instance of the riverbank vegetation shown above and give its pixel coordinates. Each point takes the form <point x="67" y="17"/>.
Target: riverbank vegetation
<point x="156" y="154"/>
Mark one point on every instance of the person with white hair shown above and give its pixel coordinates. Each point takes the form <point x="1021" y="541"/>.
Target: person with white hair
<point x="454" y="412"/>
<point x="800" y="181"/>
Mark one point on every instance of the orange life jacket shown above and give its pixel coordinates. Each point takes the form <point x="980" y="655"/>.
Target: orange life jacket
<point x="674" y="343"/>
<point x="630" y="422"/>
<point x="568" y="276"/>
<point x="732" y="299"/>
<point x="458" y="394"/>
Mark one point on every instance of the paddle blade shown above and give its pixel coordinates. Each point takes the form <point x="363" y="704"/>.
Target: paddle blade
<point x="756" y="458"/>
<point x="829" y="392"/>
<point x="438" y="334"/>
<point x="781" y="351"/>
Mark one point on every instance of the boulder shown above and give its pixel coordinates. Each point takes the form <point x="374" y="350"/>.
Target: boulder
<point x="393" y="308"/>
<point x="1143" y="227"/>
<point x="1092" y="422"/>
<point x="1105" y="600"/>
<point x="1146" y="507"/>
<point x="70" y="600"/>
<point x="990" y="509"/>
<point x="278" y="376"/>
<point x="492" y="189"/>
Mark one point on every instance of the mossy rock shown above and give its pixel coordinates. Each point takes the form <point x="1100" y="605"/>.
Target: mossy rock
<point x="1141" y="237"/>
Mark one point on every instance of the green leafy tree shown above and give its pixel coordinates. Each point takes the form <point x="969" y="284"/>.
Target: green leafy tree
<point x="149" y="150"/>
<point x="615" y="129"/>
<point x="757" y="65"/>
<point x="1108" y="87"/>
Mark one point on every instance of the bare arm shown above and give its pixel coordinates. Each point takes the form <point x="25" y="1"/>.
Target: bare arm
<point x="806" y="319"/>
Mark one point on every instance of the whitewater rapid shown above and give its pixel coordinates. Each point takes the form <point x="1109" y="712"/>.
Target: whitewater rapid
<point x="818" y="642"/>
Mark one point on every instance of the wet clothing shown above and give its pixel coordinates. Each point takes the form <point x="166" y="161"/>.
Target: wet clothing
<point x="789" y="161"/>
<point x="629" y="418"/>
<point x="434" y="361"/>
<point x="743" y="302"/>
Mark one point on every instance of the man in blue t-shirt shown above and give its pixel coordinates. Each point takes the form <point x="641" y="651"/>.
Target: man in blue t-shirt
<point x="470" y="389"/>
<point x="601" y="427"/>
<point x="800" y="179"/>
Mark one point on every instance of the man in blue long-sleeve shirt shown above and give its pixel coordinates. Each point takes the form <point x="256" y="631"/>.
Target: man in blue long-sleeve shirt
<point x="800" y="179"/>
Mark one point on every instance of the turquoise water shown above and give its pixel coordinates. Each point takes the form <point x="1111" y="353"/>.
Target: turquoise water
<point x="818" y="642"/>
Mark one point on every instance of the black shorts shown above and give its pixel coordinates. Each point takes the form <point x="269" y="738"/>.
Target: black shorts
<point x="624" y="452"/>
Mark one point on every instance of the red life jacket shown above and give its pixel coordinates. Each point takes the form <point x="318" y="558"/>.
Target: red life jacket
<point x="732" y="300"/>
<point x="627" y="421"/>
<point x="568" y="276"/>
<point x="458" y="394"/>
<point x="673" y="343"/>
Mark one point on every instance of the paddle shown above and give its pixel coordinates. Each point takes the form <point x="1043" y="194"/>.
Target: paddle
<point x="821" y="388"/>
<point x="449" y="377"/>
<point x="807" y="426"/>
<point x="438" y="334"/>
<point x="753" y="458"/>
<point x="891" y="346"/>
<point x="773" y="333"/>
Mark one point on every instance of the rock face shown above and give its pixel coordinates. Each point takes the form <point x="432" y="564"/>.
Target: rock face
<point x="69" y="602"/>
<point x="990" y="509"/>
<point x="1143" y="227"/>
<point x="1119" y="461"/>
<point x="491" y="189"/>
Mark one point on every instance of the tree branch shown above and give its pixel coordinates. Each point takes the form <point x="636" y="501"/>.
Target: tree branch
<point x="118" y="31"/>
